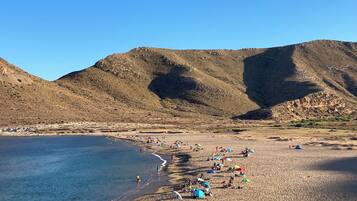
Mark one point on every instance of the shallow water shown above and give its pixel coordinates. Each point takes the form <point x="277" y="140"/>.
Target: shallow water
<point x="72" y="168"/>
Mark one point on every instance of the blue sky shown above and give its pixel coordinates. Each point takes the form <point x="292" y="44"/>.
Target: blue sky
<point x="50" y="38"/>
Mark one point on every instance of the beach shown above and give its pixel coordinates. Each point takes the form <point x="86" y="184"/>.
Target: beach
<point x="324" y="169"/>
<point x="276" y="172"/>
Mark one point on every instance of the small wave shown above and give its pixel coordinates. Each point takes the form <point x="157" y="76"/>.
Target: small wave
<point x="163" y="164"/>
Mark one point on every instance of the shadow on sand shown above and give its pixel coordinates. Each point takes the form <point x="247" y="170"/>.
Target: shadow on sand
<point x="348" y="165"/>
<point x="348" y="186"/>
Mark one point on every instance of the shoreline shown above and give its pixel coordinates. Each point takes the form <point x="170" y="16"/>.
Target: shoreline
<point x="154" y="150"/>
<point x="271" y="162"/>
<point x="172" y="177"/>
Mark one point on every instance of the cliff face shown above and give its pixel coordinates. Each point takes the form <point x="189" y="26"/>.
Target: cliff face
<point x="314" y="106"/>
<point x="320" y="105"/>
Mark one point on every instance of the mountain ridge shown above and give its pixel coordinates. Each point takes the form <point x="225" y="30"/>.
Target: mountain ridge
<point x="227" y="83"/>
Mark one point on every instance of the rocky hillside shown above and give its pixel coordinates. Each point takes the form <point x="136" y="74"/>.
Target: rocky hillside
<point x="309" y="80"/>
<point x="222" y="82"/>
<point x="323" y="79"/>
<point x="26" y="99"/>
<point x="320" y="105"/>
<point x="209" y="82"/>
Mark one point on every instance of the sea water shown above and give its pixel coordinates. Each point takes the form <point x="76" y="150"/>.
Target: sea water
<point x="77" y="168"/>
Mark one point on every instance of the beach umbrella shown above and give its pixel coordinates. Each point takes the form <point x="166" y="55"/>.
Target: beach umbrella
<point x="178" y="195"/>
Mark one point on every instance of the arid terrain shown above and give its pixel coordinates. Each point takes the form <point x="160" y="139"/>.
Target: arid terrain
<point x="263" y="99"/>
<point x="312" y="80"/>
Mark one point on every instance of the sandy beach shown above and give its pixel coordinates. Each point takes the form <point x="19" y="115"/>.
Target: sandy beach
<point x="216" y="100"/>
<point x="276" y="172"/>
<point x="324" y="169"/>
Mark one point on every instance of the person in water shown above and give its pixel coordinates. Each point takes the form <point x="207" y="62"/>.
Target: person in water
<point x="138" y="180"/>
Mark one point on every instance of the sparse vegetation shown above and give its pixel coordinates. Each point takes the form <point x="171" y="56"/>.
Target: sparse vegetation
<point x="279" y="84"/>
<point x="305" y="123"/>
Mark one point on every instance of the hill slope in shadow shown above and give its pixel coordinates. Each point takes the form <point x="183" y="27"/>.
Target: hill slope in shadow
<point x="223" y="82"/>
<point x="308" y="80"/>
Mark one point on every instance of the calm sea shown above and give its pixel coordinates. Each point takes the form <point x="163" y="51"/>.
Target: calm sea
<point x="74" y="168"/>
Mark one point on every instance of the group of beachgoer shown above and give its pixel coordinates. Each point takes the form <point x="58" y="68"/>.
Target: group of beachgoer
<point x="222" y="163"/>
<point x="224" y="154"/>
<point x="200" y="186"/>
<point x="177" y="144"/>
<point x="153" y="140"/>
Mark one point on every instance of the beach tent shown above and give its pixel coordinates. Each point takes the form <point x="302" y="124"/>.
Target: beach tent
<point x="178" y="196"/>
<point x="298" y="146"/>
<point x="217" y="158"/>
<point x="246" y="180"/>
<point x="211" y="171"/>
<point x="206" y="184"/>
<point x="198" y="193"/>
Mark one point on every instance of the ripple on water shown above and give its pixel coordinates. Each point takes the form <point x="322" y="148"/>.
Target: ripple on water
<point x="71" y="168"/>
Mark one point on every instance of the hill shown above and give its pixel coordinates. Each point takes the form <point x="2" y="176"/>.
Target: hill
<point x="26" y="99"/>
<point x="226" y="82"/>
<point x="315" y="79"/>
